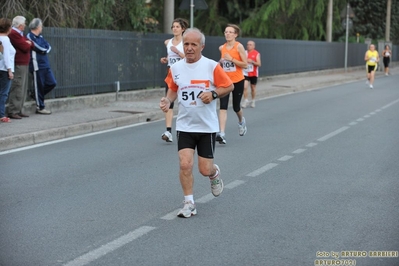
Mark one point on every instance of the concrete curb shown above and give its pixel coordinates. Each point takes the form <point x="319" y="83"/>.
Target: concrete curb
<point x="82" y="102"/>
<point x="42" y="136"/>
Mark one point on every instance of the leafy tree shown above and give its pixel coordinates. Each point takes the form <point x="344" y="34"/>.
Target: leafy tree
<point x="284" y="19"/>
<point x="370" y="20"/>
<point x="213" y="20"/>
<point x="288" y="19"/>
<point x="100" y="15"/>
<point x="280" y="19"/>
<point x="93" y="14"/>
<point x="54" y="13"/>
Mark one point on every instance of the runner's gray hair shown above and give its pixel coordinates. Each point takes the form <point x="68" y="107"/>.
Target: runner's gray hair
<point x="35" y="23"/>
<point x="197" y="31"/>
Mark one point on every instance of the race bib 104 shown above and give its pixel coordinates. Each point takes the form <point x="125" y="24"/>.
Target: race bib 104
<point x="228" y="66"/>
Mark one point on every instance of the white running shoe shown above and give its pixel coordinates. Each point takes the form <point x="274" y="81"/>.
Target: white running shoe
<point x="43" y="112"/>
<point x="253" y="104"/>
<point x="167" y="136"/>
<point x="242" y="128"/>
<point x="245" y="103"/>
<point x="371" y="86"/>
<point x="221" y="139"/>
<point x="217" y="183"/>
<point x="188" y="210"/>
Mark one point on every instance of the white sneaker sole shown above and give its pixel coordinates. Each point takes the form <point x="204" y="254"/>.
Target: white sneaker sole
<point x="182" y="215"/>
<point x="220" y="140"/>
<point x="245" y="132"/>
<point x="165" y="138"/>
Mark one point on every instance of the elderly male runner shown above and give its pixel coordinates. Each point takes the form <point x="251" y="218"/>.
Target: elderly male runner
<point x="251" y="73"/>
<point x="196" y="82"/>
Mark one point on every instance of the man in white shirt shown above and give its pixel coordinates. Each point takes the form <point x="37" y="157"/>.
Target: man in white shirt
<point x="196" y="82"/>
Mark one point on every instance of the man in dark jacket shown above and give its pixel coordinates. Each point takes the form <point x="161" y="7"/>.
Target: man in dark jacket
<point x="19" y="86"/>
<point x="43" y="78"/>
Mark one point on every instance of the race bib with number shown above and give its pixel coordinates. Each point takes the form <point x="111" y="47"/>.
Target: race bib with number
<point x="173" y="60"/>
<point x="188" y="95"/>
<point x="250" y="68"/>
<point x="228" y="66"/>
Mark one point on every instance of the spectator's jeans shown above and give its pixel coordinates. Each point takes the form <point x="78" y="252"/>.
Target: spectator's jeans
<point x="5" y="85"/>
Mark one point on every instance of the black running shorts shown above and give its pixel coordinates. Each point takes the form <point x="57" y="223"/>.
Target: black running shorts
<point x="204" y="142"/>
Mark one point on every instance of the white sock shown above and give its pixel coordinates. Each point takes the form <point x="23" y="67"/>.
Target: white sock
<point x="189" y="198"/>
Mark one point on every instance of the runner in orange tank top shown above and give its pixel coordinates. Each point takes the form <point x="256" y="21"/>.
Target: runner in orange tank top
<point x="233" y="60"/>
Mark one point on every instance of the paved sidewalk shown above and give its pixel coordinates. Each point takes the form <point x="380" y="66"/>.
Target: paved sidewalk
<point x="81" y="115"/>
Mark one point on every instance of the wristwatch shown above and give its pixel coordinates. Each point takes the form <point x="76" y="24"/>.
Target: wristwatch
<point x="214" y="95"/>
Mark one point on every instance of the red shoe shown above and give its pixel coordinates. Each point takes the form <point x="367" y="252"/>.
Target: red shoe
<point x="5" y="119"/>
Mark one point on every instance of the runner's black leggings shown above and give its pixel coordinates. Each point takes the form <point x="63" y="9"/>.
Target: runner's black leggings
<point x="237" y="95"/>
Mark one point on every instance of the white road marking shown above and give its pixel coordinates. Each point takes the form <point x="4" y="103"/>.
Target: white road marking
<point x="125" y="239"/>
<point x="234" y="184"/>
<point x="285" y="158"/>
<point x="72" y="138"/>
<point x="109" y="247"/>
<point x="269" y="166"/>
<point x="205" y="199"/>
<point x="170" y="216"/>
<point x="298" y="151"/>
<point x="263" y="169"/>
<point x="389" y="104"/>
<point x="312" y="144"/>
<point x="332" y="134"/>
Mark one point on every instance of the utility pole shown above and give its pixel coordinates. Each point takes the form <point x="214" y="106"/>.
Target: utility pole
<point x="329" y="21"/>
<point x="346" y="38"/>
<point x="388" y="21"/>
<point x="192" y="6"/>
<point x="168" y="15"/>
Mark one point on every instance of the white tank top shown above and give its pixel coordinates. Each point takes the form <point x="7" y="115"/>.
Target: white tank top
<point x="193" y="115"/>
<point x="172" y="56"/>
